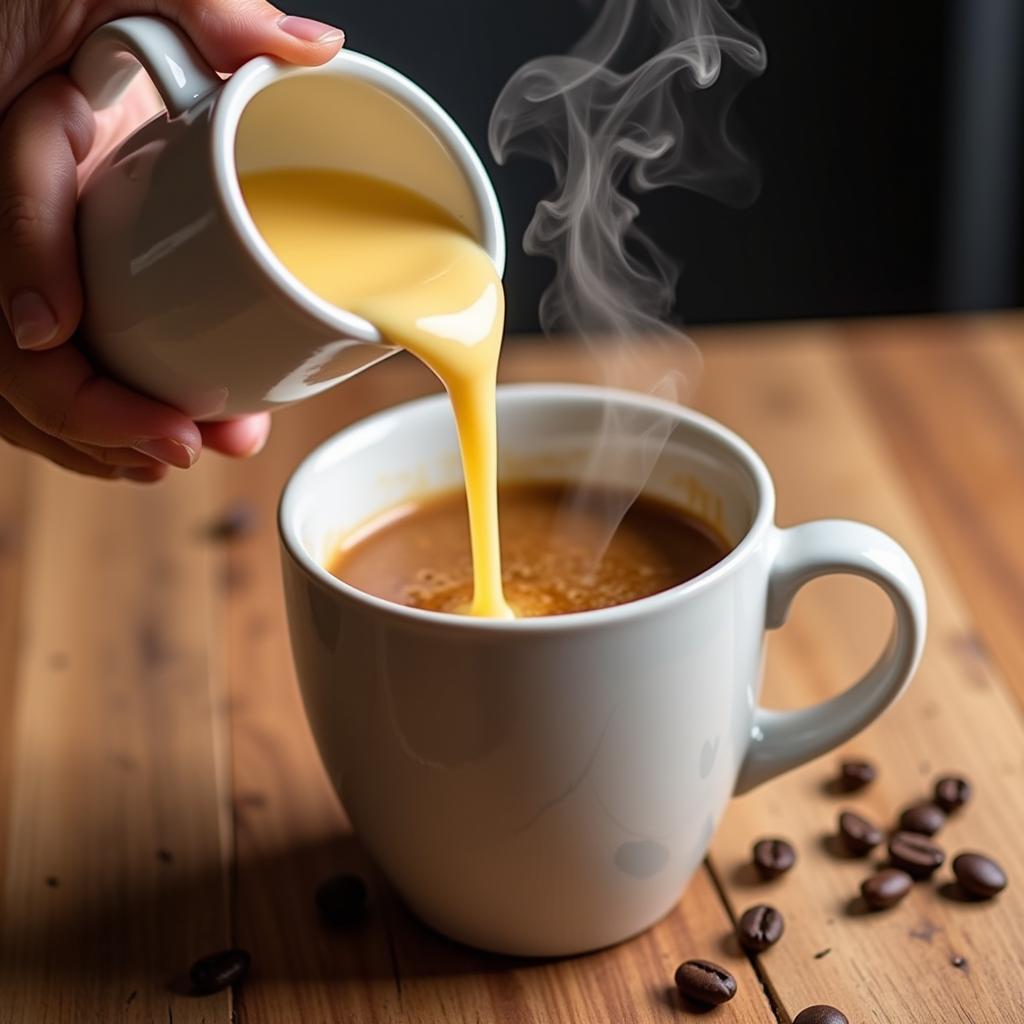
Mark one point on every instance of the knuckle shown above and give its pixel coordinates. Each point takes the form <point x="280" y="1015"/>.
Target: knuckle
<point x="20" y="394"/>
<point x="22" y="220"/>
<point x="71" y="421"/>
<point x="48" y="416"/>
<point x="54" y="421"/>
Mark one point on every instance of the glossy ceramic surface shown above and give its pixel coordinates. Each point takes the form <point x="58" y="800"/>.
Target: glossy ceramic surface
<point x="548" y="786"/>
<point x="184" y="299"/>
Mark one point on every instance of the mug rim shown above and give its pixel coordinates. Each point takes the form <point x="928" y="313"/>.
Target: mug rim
<point x="259" y="73"/>
<point x="378" y="423"/>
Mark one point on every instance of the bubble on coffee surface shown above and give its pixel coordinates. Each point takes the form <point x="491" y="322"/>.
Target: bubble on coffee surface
<point x="555" y="582"/>
<point x="555" y="579"/>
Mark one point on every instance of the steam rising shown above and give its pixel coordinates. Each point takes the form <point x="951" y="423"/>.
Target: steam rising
<point x="606" y="123"/>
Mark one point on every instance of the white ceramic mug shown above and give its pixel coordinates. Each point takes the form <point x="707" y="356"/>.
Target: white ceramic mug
<point x="184" y="299"/>
<point x="547" y="786"/>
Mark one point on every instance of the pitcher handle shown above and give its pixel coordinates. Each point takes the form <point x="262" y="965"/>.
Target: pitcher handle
<point x="110" y="58"/>
<point x="782" y="740"/>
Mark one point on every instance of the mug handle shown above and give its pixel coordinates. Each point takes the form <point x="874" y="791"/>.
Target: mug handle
<point x="781" y="740"/>
<point x="110" y="58"/>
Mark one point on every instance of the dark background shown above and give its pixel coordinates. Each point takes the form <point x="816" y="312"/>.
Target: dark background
<point x="888" y="136"/>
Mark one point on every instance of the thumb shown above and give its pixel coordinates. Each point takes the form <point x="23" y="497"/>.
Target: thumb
<point x="230" y="32"/>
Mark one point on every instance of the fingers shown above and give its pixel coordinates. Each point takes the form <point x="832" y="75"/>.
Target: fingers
<point x="44" y="135"/>
<point x="19" y="432"/>
<point x="42" y="35"/>
<point x="240" y="437"/>
<point x="125" y="458"/>
<point x="230" y="32"/>
<point x="58" y="392"/>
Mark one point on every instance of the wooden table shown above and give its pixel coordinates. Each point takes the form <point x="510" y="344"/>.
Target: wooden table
<point x="160" y="796"/>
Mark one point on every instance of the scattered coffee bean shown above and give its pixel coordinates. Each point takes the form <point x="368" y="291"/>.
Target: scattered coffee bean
<point x="854" y="775"/>
<point x="885" y="888"/>
<point x="773" y="857"/>
<point x="237" y="520"/>
<point x="915" y="854"/>
<point x="760" y="927"/>
<point x="857" y="834"/>
<point x="978" y="875"/>
<point x="821" y="1014"/>
<point x="952" y="792"/>
<point x="924" y="818"/>
<point x="341" y="900"/>
<point x="705" y="983"/>
<point x="219" y="971"/>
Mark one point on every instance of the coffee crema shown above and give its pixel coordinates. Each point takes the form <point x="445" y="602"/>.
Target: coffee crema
<point x="556" y="554"/>
<point x="405" y="265"/>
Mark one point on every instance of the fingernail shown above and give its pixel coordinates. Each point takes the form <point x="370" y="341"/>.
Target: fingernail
<point x="259" y="443"/>
<point x="32" y="320"/>
<point x="310" y="31"/>
<point x="166" y="449"/>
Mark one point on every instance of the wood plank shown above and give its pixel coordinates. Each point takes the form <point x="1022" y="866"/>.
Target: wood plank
<point x="950" y="396"/>
<point x="291" y="832"/>
<point x="15" y="503"/>
<point x="820" y="439"/>
<point x="118" y="746"/>
<point x="114" y="872"/>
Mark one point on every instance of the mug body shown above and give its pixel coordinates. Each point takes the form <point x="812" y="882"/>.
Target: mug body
<point x="185" y="300"/>
<point x="541" y="786"/>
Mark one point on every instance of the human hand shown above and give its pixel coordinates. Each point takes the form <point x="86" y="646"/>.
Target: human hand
<point x="52" y="400"/>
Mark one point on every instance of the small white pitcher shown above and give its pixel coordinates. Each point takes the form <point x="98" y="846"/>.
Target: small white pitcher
<point x="184" y="299"/>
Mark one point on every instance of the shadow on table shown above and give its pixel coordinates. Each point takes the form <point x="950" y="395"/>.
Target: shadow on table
<point x="155" y="930"/>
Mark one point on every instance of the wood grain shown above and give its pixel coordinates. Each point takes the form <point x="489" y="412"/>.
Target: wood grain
<point x="14" y="507"/>
<point x="115" y="863"/>
<point x="949" y="394"/>
<point x="818" y="436"/>
<point x="158" y="765"/>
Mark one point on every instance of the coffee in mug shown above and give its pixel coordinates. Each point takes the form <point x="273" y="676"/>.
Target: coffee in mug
<point x="557" y="555"/>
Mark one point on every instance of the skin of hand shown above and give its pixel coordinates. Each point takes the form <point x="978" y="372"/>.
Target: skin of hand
<point x="52" y="400"/>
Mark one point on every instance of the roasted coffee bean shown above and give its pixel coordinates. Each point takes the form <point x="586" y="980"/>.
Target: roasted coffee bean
<point x="237" y="520"/>
<point x="854" y="775"/>
<point x="924" y="818"/>
<point x="885" y="888"/>
<point x="759" y="927"/>
<point x="342" y="900"/>
<point x="821" y="1014"/>
<point x="773" y="857"/>
<point x="952" y="792"/>
<point x="857" y="834"/>
<point x="705" y="983"/>
<point x="978" y="875"/>
<point x="915" y="854"/>
<point x="219" y="971"/>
